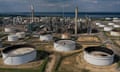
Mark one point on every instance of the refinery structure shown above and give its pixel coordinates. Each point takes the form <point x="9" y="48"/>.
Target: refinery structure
<point x="60" y="44"/>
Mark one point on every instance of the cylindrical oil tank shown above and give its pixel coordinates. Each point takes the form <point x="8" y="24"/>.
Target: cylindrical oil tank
<point x="46" y="37"/>
<point x="116" y="20"/>
<point x="20" y="34"/>
<point x="101" y="25"/>
<point x="98" y="23"/>
<point x="12" y="37"/>
<point x="107" y="18"/>
<point x="18" y="54"/>
<point x="111" y="24"/>
<point x="9" y="30"/>
<point x="64" y="45"/>
<point x="99" y="55"/>
<point x="115" y="32"/>
<point x="108" y="28"/>
<point x="116" y="26"/>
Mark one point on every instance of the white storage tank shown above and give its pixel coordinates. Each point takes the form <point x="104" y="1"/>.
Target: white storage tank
<point x="61" y="19"/>
<point x="20" y="34"/>
<point x="111" y="24"/>
<point x="108" y="28"/>
<point x="12" y="37"/>
<point x="98" y="23"/>
<point x="116" y="19"/>
<point x="64" y="45"/>
<point x="46" y="37"/>
<point x="107" y="18"/>
<point x="101" y="25"/>
<point x="8" y="30"/>
<point x="18" y="54"/>
<point x="99" y="55"/>
<point x="115" y="32"/>
<point x="116" y="26"/>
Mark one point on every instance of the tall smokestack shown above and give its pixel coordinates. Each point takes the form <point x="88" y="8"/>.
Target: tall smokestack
<point x="32" y="14"/>
<point x="76" y="18"/>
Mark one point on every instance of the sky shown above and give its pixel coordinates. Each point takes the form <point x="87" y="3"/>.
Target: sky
<point x="60" y="5"/>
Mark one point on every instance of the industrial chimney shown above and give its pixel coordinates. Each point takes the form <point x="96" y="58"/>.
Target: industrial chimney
<point x="32" y="14"/>
<point x="76" y="17"/>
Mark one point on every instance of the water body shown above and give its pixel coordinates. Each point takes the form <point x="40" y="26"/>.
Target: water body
<point x="66" y="14"/>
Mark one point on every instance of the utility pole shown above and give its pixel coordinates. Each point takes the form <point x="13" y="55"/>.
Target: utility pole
<point x="76" y="18"/>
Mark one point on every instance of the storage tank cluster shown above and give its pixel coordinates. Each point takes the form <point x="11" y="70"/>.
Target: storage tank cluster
<point x="100" y="56"/>
<point x="12" y="37"/>
<point x="111" y="24"/>
<point x="100" y="25"/>
<point x="20" y="34"/>
<point x="116" y="19"/>
<point x="46" y="37"/>
<point x="16" y="36"/>
<point x="114" y="25"/>
<point x="18" y="54"/>
<point x="9" y="30"/>
<point x="115" y="32"/>
<point x="64" y="45"/>
<point x="108" y="28"/>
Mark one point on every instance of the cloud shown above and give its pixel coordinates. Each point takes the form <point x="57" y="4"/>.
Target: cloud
<point x="50" y="4"/>
<point x="57" y="5"/>
<point x="56" y="1"/>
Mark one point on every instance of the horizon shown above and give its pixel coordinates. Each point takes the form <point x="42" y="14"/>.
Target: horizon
<point x="59" y="12"/>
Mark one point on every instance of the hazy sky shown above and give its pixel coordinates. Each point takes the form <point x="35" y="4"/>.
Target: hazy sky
<point x="58" y="5"/>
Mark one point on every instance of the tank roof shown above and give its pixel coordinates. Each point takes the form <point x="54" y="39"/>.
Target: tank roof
<point x="99" y="49"/>
<point x="18" y="49"/>
<point x="21" y="51"/>
<point x="65" y="42"/>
